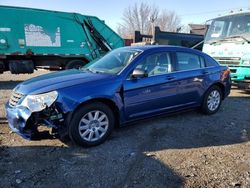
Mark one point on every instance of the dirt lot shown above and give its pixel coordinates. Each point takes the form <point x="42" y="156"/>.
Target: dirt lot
<point x="183" y="150"/>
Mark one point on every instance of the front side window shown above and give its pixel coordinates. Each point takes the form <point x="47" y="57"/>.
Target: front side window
<point x="187" y="61"/>
<point x="156" y="64"/>
<point x="218" y="28"/>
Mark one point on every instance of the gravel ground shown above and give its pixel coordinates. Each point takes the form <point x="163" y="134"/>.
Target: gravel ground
<point x="183" y="150"/>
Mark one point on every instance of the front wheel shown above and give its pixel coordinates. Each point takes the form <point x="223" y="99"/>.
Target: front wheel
<point x="212" y="100"/>
<point x="91" y="124"/>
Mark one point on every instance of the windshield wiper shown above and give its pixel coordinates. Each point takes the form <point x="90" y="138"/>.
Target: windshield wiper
<point x="93" y="71"/>
<point x="217" y="41"/>
<point x="228" y="38"/>
<point x="88" y="69"/>
<point x="98" y="71"/>
<point x="239" y="36"/>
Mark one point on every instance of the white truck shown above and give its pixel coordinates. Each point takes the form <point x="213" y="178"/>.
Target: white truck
<point x="228" y="41"/>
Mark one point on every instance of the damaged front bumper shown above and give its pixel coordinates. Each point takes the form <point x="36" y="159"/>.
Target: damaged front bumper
<point x="17" y="118"/>
<point x="25" y="123"/>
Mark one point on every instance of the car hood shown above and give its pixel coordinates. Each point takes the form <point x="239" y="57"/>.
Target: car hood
<point x="57" y="80"/>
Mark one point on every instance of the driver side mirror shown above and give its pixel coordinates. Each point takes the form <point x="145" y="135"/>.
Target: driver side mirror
<point x="138" y="73"/>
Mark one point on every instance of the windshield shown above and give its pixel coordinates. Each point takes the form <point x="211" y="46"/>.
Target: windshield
<point x="229" y="26"/>
<point x="113" y="62"/>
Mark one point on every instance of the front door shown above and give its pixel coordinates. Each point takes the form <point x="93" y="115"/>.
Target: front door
<point x="153" y="93"/>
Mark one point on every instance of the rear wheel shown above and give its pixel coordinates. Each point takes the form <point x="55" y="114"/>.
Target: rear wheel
<point x="91" y="124"/>
<point x="75" y="64"/>
<point x="212" y="100"/>
<point x="2" y="67"/>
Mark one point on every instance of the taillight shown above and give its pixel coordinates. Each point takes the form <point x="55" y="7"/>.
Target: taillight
<point x="225" y="74"/>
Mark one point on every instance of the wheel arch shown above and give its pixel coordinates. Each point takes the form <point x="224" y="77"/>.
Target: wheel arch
<point x="106" y="101"/>
<point x="218" y="84"/>
<point x="221" y="86"/>
<point x="83" y="58"/>
<point x="68" y="62"/>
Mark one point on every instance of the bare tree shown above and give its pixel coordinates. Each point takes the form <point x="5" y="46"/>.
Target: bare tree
<point x="143" y="16"/>
<point x="168" y="21"/>
<point x="137" y="18"/>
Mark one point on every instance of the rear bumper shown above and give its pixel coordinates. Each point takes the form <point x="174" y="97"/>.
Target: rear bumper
<point x="17" y="118"/>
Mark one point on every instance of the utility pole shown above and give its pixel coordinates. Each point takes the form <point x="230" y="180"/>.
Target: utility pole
<point x="152" y="20"/>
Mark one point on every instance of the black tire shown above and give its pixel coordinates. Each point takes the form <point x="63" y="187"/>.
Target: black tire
<point x="205" y="105"/>
<point x="74" y="126"/>
<point x="75" y="64"/>
<point x="2" y="67"/>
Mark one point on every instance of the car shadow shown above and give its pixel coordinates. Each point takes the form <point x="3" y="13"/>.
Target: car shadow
<point x="82" y="167"/>
<point x="129" y="158"/>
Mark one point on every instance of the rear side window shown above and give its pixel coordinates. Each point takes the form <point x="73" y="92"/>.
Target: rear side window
<point x="188" y="61"/>
<point x="202" y="61"/>
<point x="210" y="62"/>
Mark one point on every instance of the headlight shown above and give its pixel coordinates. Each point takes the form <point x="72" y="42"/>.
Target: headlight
<point x="246" y="62"/>
<point x="36" y="103"/>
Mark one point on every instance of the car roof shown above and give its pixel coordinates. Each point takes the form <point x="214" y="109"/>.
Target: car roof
<point x="163" y="47"/>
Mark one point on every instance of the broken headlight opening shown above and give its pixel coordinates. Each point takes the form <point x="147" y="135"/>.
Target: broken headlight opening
<point x="44" y="112"/>
<point x="36" y="103"/>
<point x="50" y="117"/>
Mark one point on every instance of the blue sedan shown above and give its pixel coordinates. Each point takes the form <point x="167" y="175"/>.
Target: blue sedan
<point x="127" y="84"/>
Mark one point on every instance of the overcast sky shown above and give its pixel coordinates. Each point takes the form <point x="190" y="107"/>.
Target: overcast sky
<point x="190" y="11"/>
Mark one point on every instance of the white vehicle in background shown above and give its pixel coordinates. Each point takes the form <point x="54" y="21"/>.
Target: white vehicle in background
<point x="228" y="42"/>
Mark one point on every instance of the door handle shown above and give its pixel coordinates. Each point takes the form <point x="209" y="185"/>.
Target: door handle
<point x="205" y="72"/>
<point x="170" y="77"/>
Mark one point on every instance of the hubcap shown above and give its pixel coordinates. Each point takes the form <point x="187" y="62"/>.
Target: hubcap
<point x="93" y="125"/>
<point x="213" y="100"/>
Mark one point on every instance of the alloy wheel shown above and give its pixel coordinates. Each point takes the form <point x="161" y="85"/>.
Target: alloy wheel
<point x="93" y="125"/>
<point x="213" y="101"/>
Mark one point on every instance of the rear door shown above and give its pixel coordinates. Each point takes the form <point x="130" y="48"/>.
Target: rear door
<point x="154" y="93"/>
<point x="192" y="75"/>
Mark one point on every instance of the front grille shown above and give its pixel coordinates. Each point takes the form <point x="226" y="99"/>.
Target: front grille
<point x="15" y="98"/>
<point x="228" y="60"/>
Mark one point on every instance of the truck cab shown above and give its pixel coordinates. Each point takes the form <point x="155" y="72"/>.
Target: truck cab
<point x="228" y="42"/>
